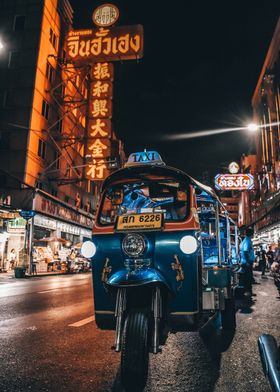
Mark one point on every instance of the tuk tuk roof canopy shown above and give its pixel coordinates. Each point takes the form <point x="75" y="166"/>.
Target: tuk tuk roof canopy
<point x="145" y="171"/>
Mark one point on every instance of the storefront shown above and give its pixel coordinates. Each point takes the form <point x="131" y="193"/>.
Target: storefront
<point x="12" y="235"/>
<point x="266" y="220"/>
<point x="48" y="237"/>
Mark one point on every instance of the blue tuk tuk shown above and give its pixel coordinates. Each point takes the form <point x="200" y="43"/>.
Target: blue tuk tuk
<point x="163" y="251"/>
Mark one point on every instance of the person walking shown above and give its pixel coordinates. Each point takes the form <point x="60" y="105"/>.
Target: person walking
<point x="270" y="256"/>
<point x="262" y="260"/>
<point x="247" y="258"/>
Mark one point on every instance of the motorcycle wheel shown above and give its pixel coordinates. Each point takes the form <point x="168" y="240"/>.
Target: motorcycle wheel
<point x="135" y="351"/>
<point x="228" y="315"/>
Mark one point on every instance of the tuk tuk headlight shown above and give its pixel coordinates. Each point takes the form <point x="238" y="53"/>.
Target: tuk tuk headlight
<point x="133" y="245"/>
<point x="88" y="249"/>
<point x="188" y="244"/>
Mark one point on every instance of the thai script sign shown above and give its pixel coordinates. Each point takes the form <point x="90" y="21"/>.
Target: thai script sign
<point x="234" y="181"/>
<point x="105" y="44"/>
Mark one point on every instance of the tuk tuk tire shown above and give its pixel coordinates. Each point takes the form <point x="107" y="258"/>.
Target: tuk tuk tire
<point x="135" y="351"/>
<point x="228" y="315"/>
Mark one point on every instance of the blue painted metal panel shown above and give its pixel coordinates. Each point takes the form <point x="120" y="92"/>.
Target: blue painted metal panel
<point x="161" y="249"/>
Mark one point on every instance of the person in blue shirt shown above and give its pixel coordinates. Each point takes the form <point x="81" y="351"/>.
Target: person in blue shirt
<point x="247" y="258"/>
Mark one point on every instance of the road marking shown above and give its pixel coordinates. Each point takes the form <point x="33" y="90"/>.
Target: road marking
<point x="82" y="322"/>
<point x="47" y="291"/>
<point x="263" y="293"/>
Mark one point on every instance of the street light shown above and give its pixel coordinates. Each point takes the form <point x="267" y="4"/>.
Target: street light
<point x="253" y="127"/>
<point x="1" y="45"/>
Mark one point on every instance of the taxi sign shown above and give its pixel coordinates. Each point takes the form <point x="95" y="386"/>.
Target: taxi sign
<point x="144" y="158"/>
<point x="140" y="222"/>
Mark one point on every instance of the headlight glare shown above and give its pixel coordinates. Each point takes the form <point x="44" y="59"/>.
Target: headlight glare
<point x="88" y="249"/>
<point x="188" y="244"/>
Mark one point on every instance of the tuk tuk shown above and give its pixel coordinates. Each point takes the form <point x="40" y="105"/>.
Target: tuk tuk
<point x="163" y="259"/>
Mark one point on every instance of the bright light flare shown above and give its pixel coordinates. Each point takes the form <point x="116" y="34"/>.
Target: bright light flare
<point x="252" y="127"/>
<point x="1" y="45"/>
<point x="211" y="132"/>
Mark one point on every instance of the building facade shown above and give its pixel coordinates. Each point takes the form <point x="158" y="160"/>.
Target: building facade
<point x="43" y="126"/>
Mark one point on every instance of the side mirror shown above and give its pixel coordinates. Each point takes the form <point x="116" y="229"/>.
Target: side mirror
<point x="117" y="197"/>
<point x="270" y="356"/>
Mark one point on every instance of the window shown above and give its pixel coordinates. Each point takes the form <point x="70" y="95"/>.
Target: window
<point x="14" y="60"/>
<point x="53" y="38"/>
<point x="45" y="109"/>
<point x="49" y="72"/>
<point x="68" y="173"/>
<point x="59" y="125"/>
<point x="54" y="192"/>
<point x="9" y="99"/>
<point x="42" y="149"/>
<point x="56" y="158"/>
<point x="4" y="140"/>
<point x="39" y="185"/>
<point x="19" y="22"/>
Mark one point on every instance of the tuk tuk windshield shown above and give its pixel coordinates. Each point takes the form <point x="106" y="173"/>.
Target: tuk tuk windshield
<point x="168" y="196"/>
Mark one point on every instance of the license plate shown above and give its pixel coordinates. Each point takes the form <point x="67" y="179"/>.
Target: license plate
<point x="140" y="222"/>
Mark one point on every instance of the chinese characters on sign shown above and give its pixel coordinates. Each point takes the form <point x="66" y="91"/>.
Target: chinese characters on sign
<point x="234" y="182"/>
<point x="104" y="44"/>
<point x="99" y="124"/>
<point x="97" y="47"/>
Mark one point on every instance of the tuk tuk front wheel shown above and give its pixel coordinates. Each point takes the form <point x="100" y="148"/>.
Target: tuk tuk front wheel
<point x="135" y="351"/>
<point x="228" y="315"/>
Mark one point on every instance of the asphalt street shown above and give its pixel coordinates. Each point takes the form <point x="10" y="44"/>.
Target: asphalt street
<point x="49" y="342"/>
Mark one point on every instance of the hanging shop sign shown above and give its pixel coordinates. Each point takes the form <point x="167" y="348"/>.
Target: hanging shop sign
<point x="238" y="182"/>
<point x="99" y="128"/>
<point x="43" y="221"/>
<point x="70" y="229"/>
<point x="105" y="15"/>
<point x="105" y="44"/>
<point x="100" y="135"/>
<point x="16" y="226"/>
<point x="27" y="214"/>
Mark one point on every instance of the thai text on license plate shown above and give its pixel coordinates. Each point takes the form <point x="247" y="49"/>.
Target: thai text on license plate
<point x="140" y="222"/>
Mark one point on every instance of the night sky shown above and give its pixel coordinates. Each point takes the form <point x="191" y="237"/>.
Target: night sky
<point x="201" y="63"/>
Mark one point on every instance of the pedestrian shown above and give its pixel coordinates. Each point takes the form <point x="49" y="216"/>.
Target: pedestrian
<point x="12" y="258"/>
<point x="270" y="256"/>
<point x="247" y="258"/>
<point x="262" y="260"/>
<point x="34" y="267"/>
<point x="277" y="252"/>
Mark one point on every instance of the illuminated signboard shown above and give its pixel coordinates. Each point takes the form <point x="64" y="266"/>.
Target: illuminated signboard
<point x="105" y="15"/>
<point x="144" y="158"/>
<point x="104" y="44"/>
<point x="239" y="182"/>
<point x="233" y="168"/>
<point x="99" y="146"/>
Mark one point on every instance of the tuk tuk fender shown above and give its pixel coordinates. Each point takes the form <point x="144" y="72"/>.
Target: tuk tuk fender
<point x="138" y="277"/>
